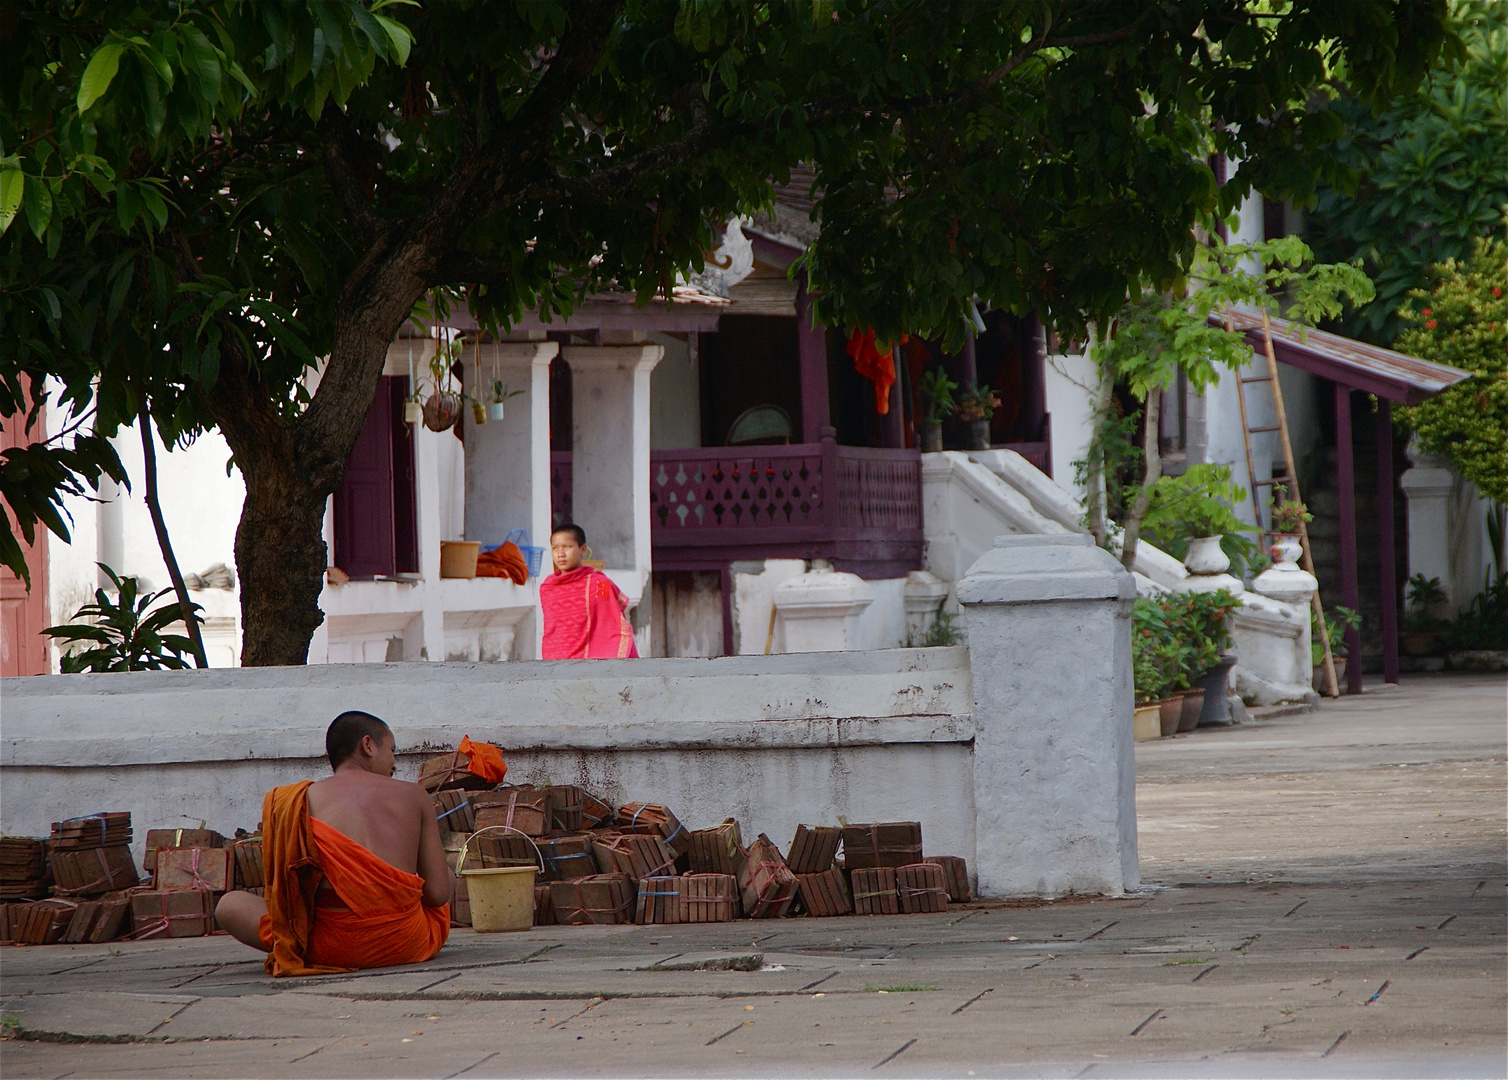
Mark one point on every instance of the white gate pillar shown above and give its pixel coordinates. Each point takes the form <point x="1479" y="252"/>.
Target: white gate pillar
<point x="1049" y="627"/>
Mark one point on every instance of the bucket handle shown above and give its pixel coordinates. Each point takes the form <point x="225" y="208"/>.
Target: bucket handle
<point x="498" y="828"/>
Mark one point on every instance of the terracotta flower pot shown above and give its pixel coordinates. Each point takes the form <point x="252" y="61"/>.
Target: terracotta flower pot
<point x="1323" y="687"/>
<point x="1172" y="714"/>
<point x="1193" y="705"/>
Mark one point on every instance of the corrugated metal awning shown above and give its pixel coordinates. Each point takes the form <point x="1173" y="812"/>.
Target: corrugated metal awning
<point x="1388" y="374"/>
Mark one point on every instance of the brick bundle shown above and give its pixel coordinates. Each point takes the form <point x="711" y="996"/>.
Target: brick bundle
<point x="921" y="887"/>
<point x="826" y="893"/>
<point x="568" y="857"/>
<point x="249" y="872"/>
<point x="98" y="920"/>
<point x="956" y="873"/>
<point x="659" y="900"/>
<point x="766" y="883"/>
<point x="717" y="850"/>
<point x="601" y="898"/>
<point x="635" y="854"/>
<point x="813" y="849"/>
<point x="891" y="844"/>
<point x="454" y="811"/>
<point x="658" y="816"/>
<point x="95" y="830"/>
<point x="709" y="898"/>
<point x="524" y="809"/>
<point x="23" y="867"/>
<point x="874" y="891"/>
<point x="211" y="869"/>
<point x="178" y="838"/>
<point x="93" y="871"/>
<point x="450" y="771"/>
<point x="172" y="913"/>
<point x="43" y="922"/>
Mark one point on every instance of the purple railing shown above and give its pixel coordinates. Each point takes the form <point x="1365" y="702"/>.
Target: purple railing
<point x="710" y="506"/>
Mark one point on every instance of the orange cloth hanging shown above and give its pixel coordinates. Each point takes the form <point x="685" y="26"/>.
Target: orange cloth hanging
<point x="506" y="561"/>
<point x="486" y="760"/>
<point x="387" y="922"/>
<point x="874" y="364"/>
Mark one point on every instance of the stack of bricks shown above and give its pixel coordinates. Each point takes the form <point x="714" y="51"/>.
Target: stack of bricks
<point x="91" y="856"/>
<point x="767" y="884"/>
<point x="23" y="868"/>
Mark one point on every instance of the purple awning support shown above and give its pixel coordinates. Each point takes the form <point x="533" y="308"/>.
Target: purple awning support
<point x="1387" y="568"/>
<point x="1350" y="591"/>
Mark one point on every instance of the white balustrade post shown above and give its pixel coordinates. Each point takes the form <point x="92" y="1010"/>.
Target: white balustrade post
<point x="1049" y="628"/>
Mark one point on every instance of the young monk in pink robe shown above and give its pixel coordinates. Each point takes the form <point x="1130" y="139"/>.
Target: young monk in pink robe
<point x="584" y="612"/>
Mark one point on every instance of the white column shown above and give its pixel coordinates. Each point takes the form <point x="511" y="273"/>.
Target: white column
<point x="1428" y="486"/>
<point x="610" y="455"/>
<point x="430" y="643"/>
<point x="1049" y="630"/>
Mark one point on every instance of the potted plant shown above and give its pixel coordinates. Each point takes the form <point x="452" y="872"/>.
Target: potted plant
<point x="1190" y="517"/>
<point x="1160" y="658"/>
<point x="1289" y="516"/>
<point x="1338" y="622"/>
<point x="498" y="393"/>
<point x="442" y="408"/>
<point x="976" y="407"/>
<point x="937" y="396"/>
<point x="1206" y="628"/>
<point x="1423" y="632"/>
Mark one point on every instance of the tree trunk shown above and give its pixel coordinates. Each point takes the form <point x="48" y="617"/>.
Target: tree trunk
<point x="1094" y="472"/>
<point x="160" y="526"/>
<point x="1138" y="512"/>
<point x="281" y="560"/>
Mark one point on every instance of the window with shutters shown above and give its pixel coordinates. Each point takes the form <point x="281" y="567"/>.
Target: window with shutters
<point x="376" y="531"/>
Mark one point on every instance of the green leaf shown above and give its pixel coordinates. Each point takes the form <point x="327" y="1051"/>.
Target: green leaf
<point x="398" y="34"/>
<point x="99" y="74"/>
<point x="38" y="203"/>
<point x="12" y="188"/>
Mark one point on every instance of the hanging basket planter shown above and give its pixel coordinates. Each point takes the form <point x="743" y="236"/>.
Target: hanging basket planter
<point x="442" y="410"/>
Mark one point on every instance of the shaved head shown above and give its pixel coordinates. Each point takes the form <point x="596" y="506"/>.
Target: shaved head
<point x="346" y="732"/>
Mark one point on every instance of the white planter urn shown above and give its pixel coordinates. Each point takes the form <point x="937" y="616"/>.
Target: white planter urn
<point x="1286" y="551"/>
<point x="1206" y="556"/>
<point x="1207" y="565"/>
<point x="495" y="410"/>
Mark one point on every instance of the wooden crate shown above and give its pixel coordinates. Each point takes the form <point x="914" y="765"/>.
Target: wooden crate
<point x="707" y="898"/>
<point x="716" y="851"/>
<point x="874" y="891"/>
<point x="96" y="830"/>
<point x="922" y="887"/>
<point x="767" y="885"/>
<point x="517" y="808"/>
<point x="249" y="871"/>
<point x="658" y="815"/>
<point x="601" y="898"/>
<point x="956" y="872"/>
<point x="172" y="913"/>
<point x="454" y="810"/>
<point x="567" y="857"/>
<point x="182" y="838"/>
<point x="659" y="901"/>
<point x="825" y="893"/>
<point x="195" y="868"/>
<point x="635" y="854"/>
<point x="93" y="871"/>
<point x="446" y="771"/>
<point x="891" y="843"/>
<point x="813" y="849"/>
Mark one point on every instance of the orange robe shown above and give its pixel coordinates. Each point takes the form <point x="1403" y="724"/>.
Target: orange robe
<point x="584" y="617"/>
<point x="387" y="922"/>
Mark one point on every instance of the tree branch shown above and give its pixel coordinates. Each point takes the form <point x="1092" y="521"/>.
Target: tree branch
<point x="337" y="140"/>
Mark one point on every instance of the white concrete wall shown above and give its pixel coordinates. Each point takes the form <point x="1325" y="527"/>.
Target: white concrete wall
<point x="775" y="741"/>
<point x="1069" y="381"/>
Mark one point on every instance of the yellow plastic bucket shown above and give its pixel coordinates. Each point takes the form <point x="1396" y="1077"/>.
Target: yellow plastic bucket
<point x="502" y="897"/>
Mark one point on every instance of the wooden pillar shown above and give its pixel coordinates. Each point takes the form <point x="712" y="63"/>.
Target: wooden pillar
<point x="1033" y="378"/>
<point x="1387" y="568"/>
<point x="811" y="343"/>
<point x="1346" y="512"/>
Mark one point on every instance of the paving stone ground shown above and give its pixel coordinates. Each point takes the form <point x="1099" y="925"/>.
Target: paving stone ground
<point x="1326" y="896"/>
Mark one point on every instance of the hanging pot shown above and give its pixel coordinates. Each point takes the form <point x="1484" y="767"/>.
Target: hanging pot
<point x="932" y="439"/>
<point x="442" y="410"/>
<point x="495" y="411"/>
<point x="478" y="413"/>
<point x="413" y="412"/>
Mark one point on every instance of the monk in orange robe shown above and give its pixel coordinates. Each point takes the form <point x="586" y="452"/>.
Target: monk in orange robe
<point x="355" y="871"/>
<point x="584" y="612"/>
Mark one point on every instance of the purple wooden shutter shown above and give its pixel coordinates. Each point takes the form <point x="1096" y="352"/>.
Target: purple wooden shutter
<point x="364" y="535"/>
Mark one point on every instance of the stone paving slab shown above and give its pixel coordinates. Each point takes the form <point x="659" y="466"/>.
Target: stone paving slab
<point x="1306" y="914"/>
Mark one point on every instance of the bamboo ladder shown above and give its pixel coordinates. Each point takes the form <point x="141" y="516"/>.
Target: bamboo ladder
<point x="1332" y="684"/>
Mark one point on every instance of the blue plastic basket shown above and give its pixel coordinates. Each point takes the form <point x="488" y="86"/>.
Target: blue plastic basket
<point x="534" y="557"/>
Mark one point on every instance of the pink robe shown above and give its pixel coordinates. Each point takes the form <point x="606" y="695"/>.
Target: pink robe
<point x="584" y="617"/>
